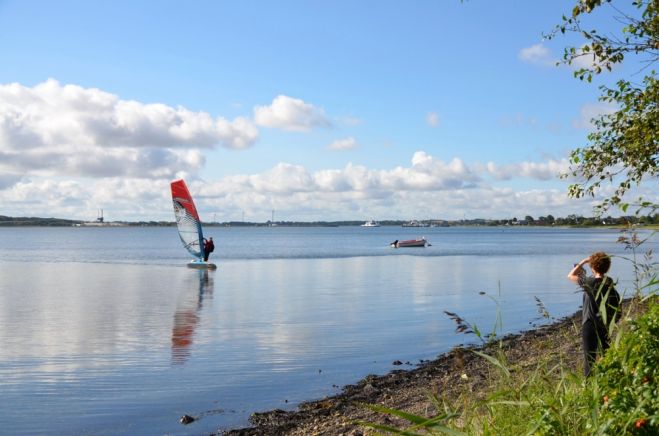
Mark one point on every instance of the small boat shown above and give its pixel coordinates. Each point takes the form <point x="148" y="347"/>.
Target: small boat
<point x="421" y="242"/>
<point x="415" y="223"/>
<point x="371" y="224"/>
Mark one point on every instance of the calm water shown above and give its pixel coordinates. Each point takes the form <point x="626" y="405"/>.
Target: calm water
<point x="105" y="331"/>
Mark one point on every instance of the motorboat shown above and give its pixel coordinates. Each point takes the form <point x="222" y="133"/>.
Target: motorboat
<point x="371" y="224"/>
<point x="421" y="242"/>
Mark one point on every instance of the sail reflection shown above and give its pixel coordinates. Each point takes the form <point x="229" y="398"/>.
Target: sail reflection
<point x="187" y="316"/>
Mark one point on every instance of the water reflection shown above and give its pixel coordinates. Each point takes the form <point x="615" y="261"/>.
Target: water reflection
<point x="187" y="313"/>
<point x="91" y="346"/>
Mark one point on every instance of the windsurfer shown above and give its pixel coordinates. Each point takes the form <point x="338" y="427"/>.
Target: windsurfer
<point x="209" y="247"/>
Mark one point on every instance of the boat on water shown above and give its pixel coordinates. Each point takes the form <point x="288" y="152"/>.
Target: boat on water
<point x="189" y="225"/>
<point x="415" y="223"/>
<point x="371" y="223"/>
<point x="420" y="242"/>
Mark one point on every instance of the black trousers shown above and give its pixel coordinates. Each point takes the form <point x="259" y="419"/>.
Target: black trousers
<point x="594" y="338"/>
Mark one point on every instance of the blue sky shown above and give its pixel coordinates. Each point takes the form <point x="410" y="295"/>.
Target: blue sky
<point x="319" y="110"/>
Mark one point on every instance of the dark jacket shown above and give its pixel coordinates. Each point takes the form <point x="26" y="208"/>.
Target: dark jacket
<point x="601" y="301"/>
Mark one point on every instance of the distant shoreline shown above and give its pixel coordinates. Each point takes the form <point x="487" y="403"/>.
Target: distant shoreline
<point x="620" y="223"/>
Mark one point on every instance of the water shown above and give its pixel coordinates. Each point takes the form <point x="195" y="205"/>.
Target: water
<point x="105" y="331"/>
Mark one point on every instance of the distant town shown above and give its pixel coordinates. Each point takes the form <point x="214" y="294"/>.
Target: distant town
<point x="549" y="220"/>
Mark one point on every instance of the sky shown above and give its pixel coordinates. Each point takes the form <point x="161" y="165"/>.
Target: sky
<point x="320" y="111"/>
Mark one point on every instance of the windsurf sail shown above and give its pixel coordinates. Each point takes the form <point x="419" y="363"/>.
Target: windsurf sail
<point x="187" y="219"/>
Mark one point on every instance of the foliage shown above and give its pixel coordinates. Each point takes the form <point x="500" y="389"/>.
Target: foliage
<point x="463" y="326"/>
<point x="621" y="397"/>
<point x="627" y="380"/>
<point x="625" y="144"/>
<point x="32" y="221"/>
<point x="645" y="272"/>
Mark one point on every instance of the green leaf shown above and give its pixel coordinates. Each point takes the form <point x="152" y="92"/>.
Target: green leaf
<point x="494" y="361"/>
<point x="511" y="403"/>
<point x="418" y="421"/>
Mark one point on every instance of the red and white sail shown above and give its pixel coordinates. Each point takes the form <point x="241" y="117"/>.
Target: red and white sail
<point x="187" y="219"/>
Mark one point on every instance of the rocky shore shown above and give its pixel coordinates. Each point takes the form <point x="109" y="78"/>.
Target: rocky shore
<point x="449" y="376"/>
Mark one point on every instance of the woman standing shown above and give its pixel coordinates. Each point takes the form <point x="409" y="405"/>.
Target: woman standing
<point x="601" y="304"/>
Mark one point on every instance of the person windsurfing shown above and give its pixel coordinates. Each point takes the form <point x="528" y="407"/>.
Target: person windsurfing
<point x="209" y="247"/>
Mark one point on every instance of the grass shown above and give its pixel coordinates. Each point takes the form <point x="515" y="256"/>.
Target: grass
<point x="548" y="395"/>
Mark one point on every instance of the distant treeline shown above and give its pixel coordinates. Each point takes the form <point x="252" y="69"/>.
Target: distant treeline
<point x="60" y="222"/>
<point x="35" y="221"/>
<point x="578" y="220"/>
<point x="549" y="220"/>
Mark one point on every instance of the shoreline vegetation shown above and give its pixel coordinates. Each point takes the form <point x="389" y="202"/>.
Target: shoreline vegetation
<point x="461" y="387"/>
<point x="648" y="221"/>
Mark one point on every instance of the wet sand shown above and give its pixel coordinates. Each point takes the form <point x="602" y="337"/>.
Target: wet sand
<point x="408" y="390"/>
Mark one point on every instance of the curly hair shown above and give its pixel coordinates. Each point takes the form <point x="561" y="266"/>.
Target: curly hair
<point x="600" y="262"/>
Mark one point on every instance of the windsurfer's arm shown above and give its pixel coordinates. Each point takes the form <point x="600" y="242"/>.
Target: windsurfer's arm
<point x="577" y="272"/>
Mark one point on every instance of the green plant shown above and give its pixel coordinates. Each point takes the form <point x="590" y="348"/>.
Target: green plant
<point x="463" y="326"/>
<point x="434" y="425"/>
<point x="645" y="274"/>
<point x="627" y="379"/>
<point x="548" y="397"/>
<point x="623" y="147"/>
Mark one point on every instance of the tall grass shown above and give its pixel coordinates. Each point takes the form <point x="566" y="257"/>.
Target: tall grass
<point x="551" y="396"/>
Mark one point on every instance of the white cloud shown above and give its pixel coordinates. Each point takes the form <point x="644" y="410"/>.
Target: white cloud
<point x="590" y="111"/>
<point x="350" y="121"/>
<point x="425" y="174"/>
<point x="291" y="114"/>
<point x="282" y="179"/>
<point x="53" y="129"/>
<point x="343" y="144"/>
<point x="103" y="162"/>
<point x="537" y="54"/>
<point x="120" y="197"/>
<point x="533" y="170"/>
<point x="427" y="187"/>
<point x="432" y="119"/>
